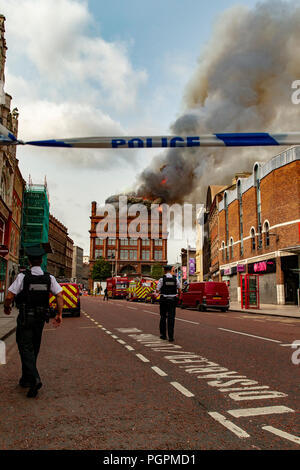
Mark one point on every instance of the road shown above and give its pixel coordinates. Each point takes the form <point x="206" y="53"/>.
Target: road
<point x="109" y="382"/>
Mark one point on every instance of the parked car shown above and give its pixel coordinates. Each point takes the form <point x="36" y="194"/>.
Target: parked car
<point x="205" y="295"/>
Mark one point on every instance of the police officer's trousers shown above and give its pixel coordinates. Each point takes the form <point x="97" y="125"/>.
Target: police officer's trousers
<point x="167" y="317"/>
<point x="28" y="337"/>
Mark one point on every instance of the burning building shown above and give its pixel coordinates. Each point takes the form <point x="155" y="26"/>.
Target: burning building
<point x="131" y="253"/>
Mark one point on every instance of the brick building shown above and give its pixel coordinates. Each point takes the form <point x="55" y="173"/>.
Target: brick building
<point x="56" y="261"/>
<point x="130" y="256"/>
<point x="11" y="182"/>
<point x="77" y="265"/>
<point x="257" y="223"/>
<point x="15" y="229"/>
<point x="69" y="257"/>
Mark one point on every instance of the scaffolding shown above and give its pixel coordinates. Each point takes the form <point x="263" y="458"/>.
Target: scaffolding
<point x="35" y="219"/>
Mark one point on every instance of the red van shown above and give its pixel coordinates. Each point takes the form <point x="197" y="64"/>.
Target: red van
<point x="204" y="295"/>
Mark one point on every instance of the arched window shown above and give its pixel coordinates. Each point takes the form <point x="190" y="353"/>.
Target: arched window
<point x="226" y="223"/>
<point x="223" y="251"/>
<point x="267" y="233"/>
<point x="231" y="247"/>
<point x="252" y="239"/>
<point x="258" y="205"/>
<point x="240" y="199"/>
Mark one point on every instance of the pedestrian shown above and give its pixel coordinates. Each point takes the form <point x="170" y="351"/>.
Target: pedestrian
<point x="31" y="292"/>
<point x="105" y="294"/>
<point x="168" y="286"/>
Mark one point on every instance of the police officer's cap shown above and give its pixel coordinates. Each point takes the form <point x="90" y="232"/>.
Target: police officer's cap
<point x="168" y="267"/>
<point x="35" y="251"/>
<point x="38" y="250"/>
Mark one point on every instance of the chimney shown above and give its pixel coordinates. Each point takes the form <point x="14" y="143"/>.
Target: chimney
<point x="94" y="208"/>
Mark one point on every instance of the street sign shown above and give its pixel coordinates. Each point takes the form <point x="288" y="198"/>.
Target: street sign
<point x="3" y="250"/>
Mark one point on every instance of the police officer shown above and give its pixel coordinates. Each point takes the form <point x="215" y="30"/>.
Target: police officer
<point x="31" y="292"/>
<point x="168" y="286"/>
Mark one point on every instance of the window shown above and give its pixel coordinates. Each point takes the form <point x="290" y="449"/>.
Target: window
<point x="231" y="247"/>
<point x="239" y="192"/>
<point x="98" y="254"/>
<point x="2" y="231"/>
<point x="252" y="239"/>
<point x="133" y="241"/>
<point x="226" y="225"/>
<point x="158" y="255"/>
<point x="124" y="254"/>
<point x="158" y="242"/>
<point x="132" y="254"/>
<point x="98" y="241"/>
<point x="267" y="234"/>
<point x="111" y="241"/>
<point x="145" y="255"/>
<point x="111" y="253"/>
<point x="123" y="241"/>
<point x="258" y="206"/>
<point x="146" y="242"/>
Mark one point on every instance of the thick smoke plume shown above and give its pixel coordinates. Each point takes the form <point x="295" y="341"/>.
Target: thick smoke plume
<point x="242" y="84"/>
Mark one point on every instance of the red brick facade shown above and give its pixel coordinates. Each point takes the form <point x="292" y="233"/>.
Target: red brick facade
<point x="270" y="195"/>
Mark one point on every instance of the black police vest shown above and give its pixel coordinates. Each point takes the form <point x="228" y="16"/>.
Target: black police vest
<point x="169" y="286"/>
<point x="36" y="290"/>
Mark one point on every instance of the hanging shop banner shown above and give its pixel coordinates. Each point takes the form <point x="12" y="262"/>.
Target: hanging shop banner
<point x="192" y="266"/>
<point x="183" y="272"/>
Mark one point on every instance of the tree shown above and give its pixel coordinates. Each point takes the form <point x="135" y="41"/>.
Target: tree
<point x="101" y="270"/>
<point x="157" y="271"/>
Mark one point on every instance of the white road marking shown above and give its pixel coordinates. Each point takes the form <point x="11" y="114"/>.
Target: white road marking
<point x="114" y="336"/>
<point x="153" y="313"/>
<point x="159" y="371"/>
<point x="108" y="332"/>
<point x="283" y="434"/>
<point x="121" y="341"/>
<point x="253" y="336"/>
<point x="287" y="345"/>
<point x="2" y="352"/>
<point x="128" y="330"/>
<point x="188" y="321"/>
<point x="266" y="410"/>
<point x="229" y="425"/>
<point x="142" y="358"/>
<point x="130" y="348"/>
<point x="181" y="389"/>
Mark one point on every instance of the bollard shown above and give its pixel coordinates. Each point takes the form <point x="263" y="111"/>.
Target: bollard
<point x="2" y="352"/>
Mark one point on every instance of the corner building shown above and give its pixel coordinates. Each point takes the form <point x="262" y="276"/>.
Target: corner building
<point x="133" y="257"/>
<point x="259" y="229"/>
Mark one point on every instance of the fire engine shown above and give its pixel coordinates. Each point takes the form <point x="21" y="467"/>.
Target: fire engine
<point x="140" y="289"/>
<point x="71" y="296"/>
<point x="117" y="286"/>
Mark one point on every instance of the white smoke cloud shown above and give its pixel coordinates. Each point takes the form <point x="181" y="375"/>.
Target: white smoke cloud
<point x="242" y="84"/>
<point x="65" y="81"/>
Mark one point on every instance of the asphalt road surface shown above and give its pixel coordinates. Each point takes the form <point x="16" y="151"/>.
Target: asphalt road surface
<point x="227" y="382"/>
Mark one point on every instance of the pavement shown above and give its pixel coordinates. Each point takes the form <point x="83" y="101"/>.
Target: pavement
<point x="8" y="323"/>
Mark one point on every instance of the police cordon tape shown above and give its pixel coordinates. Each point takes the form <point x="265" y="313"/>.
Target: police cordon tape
<point x="245" y="139"/>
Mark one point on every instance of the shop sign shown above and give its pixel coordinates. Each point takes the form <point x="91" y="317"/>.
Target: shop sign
<point x="227" y="271"/>
<point x="241" y="268"/>
<point x="262" y="267"/>
<point x="183" y="272"/>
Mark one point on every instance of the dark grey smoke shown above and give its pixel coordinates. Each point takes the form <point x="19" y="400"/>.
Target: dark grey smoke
<point x="242" y="84"/>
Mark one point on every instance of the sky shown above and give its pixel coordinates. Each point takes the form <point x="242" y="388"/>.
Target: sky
<point x="85" y="68"/>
